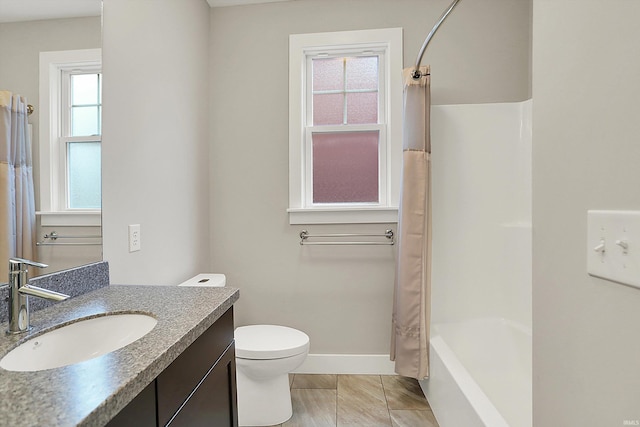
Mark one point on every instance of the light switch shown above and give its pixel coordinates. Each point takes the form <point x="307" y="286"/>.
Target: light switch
<point x="613" y="246"/>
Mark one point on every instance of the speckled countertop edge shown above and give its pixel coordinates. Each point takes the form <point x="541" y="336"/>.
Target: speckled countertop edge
<point x="91" y="393"/>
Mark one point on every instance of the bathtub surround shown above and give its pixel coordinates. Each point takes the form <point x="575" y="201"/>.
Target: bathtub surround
<point x="472" y="386"/>
<point x="411" y="318"/>
<point x="481" y="265"/>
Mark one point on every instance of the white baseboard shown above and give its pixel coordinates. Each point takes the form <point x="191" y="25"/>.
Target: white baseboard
<point x="363" y="364"/>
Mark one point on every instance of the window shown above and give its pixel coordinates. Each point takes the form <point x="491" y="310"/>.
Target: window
<point x="345" y="94"/>
<point x="70" y="137"/>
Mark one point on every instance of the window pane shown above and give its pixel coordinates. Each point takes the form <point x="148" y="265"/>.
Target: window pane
<point x="85" y="121"/>
<point x="84" y="175"/>
<point x="84" y="89"/>
<point x="362" y="73"/>
<point x="345" y="167"/>
<point x="328" y="74"/>
<point x="328" y="109"/>
<point x="362" y="108"/>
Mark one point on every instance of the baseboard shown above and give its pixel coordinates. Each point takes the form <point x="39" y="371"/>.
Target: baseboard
<point x="363" y="364"/>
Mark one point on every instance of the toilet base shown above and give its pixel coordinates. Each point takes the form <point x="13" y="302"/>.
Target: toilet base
<point x="264" y="402"/>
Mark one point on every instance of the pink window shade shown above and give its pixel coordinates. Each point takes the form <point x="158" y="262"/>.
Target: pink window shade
<point x="345" y="167"/>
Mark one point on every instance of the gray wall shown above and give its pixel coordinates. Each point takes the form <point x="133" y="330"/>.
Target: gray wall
<point x="155" y="151"/>
<point x="341" y="296"/>
<point x="586" y="344"/>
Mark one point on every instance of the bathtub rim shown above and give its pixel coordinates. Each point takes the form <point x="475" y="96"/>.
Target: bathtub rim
<point x="475" y="397"/>
<point x="463" y="381"/>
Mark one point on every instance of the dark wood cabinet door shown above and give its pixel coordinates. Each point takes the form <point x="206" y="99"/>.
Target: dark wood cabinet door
<point x="177" y="382"/>
<point x="213" y="403"/>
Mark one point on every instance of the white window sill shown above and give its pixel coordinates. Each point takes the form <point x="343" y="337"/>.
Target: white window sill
<point x="358" y="215"/>
<point x="71" y="218"/>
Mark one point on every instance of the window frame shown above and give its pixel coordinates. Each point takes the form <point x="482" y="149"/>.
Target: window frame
<point x="55" y="69"/>
<point x="385" y="43"/>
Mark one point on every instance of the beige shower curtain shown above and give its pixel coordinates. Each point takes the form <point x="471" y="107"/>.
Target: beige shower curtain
<point x="412" y="292"/>
<point x="17" y="201"/>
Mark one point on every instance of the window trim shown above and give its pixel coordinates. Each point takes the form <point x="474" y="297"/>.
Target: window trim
<point x="52" y="198"/>
<point x="301" y="47"/>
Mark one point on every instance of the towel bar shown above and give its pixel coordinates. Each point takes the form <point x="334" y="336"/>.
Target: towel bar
<point x="388" y="234"/>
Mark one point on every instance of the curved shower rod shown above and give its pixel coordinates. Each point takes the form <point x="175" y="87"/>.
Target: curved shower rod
<point x="416" y="74"/>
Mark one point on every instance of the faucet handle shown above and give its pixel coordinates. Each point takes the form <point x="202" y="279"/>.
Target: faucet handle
<point x="18" y="261"/>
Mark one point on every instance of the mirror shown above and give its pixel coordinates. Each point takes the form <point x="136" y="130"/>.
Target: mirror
<point x="28" y="27"/>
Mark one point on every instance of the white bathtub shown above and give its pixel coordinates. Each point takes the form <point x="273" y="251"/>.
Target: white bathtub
<point x="480" y="374"/>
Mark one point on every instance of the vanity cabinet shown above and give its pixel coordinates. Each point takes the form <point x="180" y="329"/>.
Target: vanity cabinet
<point x="197" y="389"/>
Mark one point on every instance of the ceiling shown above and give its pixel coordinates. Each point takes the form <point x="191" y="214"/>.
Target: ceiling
<point x="31" y="10"/>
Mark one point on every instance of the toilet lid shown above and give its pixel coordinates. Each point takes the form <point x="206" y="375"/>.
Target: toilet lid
<point x="269" y="342"/>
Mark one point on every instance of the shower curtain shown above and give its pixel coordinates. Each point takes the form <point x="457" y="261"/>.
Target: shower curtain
<point x="412" y="291"/>
<point x="17" y="200"/>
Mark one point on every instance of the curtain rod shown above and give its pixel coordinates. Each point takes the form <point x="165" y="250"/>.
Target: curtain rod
<point x="416" y="72"/>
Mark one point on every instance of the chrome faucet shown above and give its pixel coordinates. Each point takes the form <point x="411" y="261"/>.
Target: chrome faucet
<point x="19" y="290"/>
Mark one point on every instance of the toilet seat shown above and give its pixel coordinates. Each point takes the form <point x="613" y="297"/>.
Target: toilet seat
<point x="261" y="342"/>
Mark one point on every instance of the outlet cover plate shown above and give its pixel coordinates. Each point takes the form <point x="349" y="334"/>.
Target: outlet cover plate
<point x="135" y="243"/>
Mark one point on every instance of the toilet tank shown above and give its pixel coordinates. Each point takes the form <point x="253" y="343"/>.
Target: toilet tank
<point x="206" y="279"/>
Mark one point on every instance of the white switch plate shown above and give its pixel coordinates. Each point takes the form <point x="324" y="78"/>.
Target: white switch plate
<point x="135" y="243"/>
<point x="608" y="232"/>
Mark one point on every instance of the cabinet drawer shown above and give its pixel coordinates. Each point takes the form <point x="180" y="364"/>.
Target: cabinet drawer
<point x="180" y="378"/>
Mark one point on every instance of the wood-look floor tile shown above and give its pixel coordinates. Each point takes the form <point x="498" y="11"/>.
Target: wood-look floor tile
<point x="312" y="408"/>
<point x="291" y="378"/>
<point x="315" y="381"/>
<point x="403" y="393"/>
<point x="361" y="401"/>
<point x="412" y="418"/>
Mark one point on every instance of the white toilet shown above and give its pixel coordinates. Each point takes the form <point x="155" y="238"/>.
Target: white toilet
<point x="265" y="354"/>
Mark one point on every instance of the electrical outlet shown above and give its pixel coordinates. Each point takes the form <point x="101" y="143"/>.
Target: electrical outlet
<point x="135" y="243"/>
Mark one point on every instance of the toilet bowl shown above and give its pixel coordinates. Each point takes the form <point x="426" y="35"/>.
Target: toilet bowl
<point x="265" y="354"/>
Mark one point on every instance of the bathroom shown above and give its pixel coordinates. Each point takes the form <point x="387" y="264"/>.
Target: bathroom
<point x="187" y="123"/>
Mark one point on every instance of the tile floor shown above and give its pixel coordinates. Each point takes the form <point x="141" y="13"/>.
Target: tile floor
<point x="358" y="401"/>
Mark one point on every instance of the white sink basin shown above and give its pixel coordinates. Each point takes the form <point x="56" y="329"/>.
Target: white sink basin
<point x="79" y="341"/>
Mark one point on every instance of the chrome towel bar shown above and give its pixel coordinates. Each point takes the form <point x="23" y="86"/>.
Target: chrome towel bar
<point x="388" y="234"/>
<point x="53" y="237"/>
<point x="66" y="244"/>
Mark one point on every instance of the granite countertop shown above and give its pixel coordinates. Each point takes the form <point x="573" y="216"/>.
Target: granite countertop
<point x="91" y="393"/>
